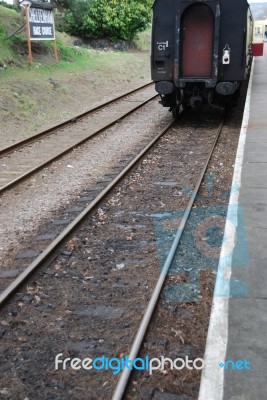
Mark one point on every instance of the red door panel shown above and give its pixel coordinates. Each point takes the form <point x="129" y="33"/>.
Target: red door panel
<point x="197" y="41"/>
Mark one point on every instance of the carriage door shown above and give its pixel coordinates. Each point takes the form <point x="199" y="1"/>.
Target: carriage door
<point x="197" y="41"/>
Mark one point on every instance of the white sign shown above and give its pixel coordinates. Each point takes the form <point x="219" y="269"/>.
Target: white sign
<point x="41" y="22"/>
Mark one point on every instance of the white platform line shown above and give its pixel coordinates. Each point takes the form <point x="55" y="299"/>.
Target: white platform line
<point x="212" y="379"/>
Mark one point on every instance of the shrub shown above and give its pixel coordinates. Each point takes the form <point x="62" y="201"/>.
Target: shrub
<point x="113" y="19"/>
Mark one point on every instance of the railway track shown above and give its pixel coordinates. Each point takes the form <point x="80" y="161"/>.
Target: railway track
<point x="125" y="377"/>
<point x="49" y="253"/>
<point x="138" y="219"/>
<point x="21" y="160"/>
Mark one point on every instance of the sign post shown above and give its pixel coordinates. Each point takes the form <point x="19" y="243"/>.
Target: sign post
<point x="26" y="5"/>
<point x="40" y="23"/>
<point x="55" y="50"/>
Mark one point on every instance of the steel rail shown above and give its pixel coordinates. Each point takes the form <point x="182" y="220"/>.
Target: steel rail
<point x="31" y="139"/>
<point x="70" y="148"/>
<point x="55" y="244"/>
<point x="125" y="375"/>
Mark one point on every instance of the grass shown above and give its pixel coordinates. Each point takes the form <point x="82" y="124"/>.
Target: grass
<point x="9" y="20"/>
<point x="6" y="12"/>
<point x="143" y="41"/>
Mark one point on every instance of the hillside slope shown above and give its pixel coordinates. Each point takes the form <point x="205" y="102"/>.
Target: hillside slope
<point x="33" y="98"/>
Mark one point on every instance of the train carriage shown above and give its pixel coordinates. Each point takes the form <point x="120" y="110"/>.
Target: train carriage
<point x="201" y="51"/>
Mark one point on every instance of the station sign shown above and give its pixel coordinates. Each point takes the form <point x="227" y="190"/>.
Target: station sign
<point x="41" y="24"/>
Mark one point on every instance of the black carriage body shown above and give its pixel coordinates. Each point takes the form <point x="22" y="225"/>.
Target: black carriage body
<point x="202" y="43"/>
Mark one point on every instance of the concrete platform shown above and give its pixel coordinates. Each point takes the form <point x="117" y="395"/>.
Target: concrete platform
<point x="238" y="326"/>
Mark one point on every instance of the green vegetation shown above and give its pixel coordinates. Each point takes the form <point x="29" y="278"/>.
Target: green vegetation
<point x="71" y="58"/>
<point x="10" y="6"/>
<point x="9" y="22"/>
<point x="13" y="48"/>
<point x="112" y="19"/>
<point x="143" y="40"/>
